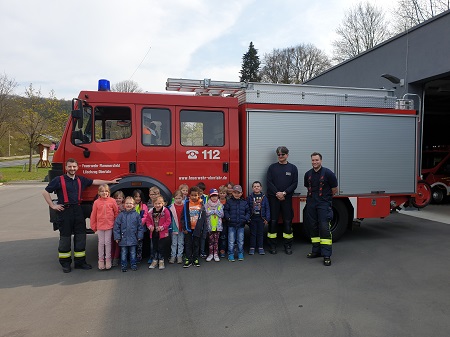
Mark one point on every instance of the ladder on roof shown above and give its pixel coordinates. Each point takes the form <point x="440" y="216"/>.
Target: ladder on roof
<point x="205" y="86"/>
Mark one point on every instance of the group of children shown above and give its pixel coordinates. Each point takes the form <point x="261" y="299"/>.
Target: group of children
<point x="194" y="224"/>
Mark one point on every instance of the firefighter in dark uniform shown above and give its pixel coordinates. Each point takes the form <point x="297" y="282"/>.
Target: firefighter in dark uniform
<point x="282" y="180"/>
<point x="68" y="188"/>
<point x="322" y="185"/>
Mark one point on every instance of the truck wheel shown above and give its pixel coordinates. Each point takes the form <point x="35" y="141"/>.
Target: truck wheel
<point x="423" y="196"/>
<point x="339" y="224"/>
<point x="438" y="195"/>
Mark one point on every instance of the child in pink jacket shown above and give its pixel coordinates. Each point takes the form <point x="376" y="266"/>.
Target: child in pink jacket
<point x="158" y="222"/>
<point x="104" y="212"/>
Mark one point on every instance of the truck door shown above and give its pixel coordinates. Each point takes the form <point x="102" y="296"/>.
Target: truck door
<point x="104" y="145"/>
<point x="202" y="147"/>
<point x="155" y="146"/>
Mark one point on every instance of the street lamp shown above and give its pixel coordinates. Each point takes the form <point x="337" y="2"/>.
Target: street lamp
<point x="394" y="79"/>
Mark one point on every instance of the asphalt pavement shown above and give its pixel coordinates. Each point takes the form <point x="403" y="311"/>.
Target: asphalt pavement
<point x="20" y="161"/>
<point x="388" y="278"/>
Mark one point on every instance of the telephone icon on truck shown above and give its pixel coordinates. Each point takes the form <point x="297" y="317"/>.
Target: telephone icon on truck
<point x="192" y="154"/>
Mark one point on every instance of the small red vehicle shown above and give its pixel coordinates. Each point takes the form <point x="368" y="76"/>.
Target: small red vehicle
<point x="436" y="172"/>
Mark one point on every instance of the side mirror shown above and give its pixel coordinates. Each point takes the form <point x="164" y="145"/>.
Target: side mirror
<point x="77" y="111"/>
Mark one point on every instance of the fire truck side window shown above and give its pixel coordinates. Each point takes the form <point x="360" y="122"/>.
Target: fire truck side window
<point x="112" y="123"/>
<point x="82" y="134"/>
<point x="156" y="127"/>
<point x="202" y="128"/>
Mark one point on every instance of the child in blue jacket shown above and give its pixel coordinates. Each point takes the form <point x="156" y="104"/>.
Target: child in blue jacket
<point x="237" y="214"/>
<point x="260" y="216"/>
<point x="128" y="231"/>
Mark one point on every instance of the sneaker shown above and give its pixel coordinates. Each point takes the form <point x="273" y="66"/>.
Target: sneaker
<point x="261" y="251"/>
<point x="231" y="258"/>
<point x="216" y="258"/>
<point x="187" y="264"/>
<point x="124" y="270"/>
<point x="222" y="254"/>
<point x="203" y="255"/>
<point x="66" y="268"/>
<point x="153" y="265"/>
<point x="108" y="264"/>
<point x="179" y="259"/>
<point x="241" y="256"/>
<point x="101" y="265"/>
<point x="251" y="251"/>
<point x="134" y="267"/>
<point x="172" y="260"/>
<point x="196" y="263"/>
<point x="209" y="258"/>
<point x="161" y="264"/>
<point x="327" y="261"/>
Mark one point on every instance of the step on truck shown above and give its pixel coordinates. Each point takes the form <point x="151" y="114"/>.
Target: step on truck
<point x="216" y="132"/>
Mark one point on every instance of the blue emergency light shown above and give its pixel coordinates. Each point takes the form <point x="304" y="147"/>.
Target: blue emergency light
<point x="103" y="85"/>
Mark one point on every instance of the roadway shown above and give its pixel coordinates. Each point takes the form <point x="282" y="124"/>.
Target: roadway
<point x="390" y="277"/>
<point x="20" y="161"/>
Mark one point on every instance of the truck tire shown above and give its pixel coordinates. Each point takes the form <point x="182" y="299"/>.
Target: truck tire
<point x="340" y="221"/>
<point x="438" y="195"/>
<point x="423" y="196"/>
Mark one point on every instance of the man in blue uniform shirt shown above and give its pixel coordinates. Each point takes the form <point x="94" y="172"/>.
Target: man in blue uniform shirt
<point x="282" y="180"/>
<point x="322" y="185"/>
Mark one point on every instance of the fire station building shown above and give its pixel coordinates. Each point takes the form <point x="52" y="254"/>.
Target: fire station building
<point x="414" y="62"/>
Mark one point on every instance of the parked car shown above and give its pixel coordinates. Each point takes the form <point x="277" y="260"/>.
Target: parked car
<point x="436" y="172"/>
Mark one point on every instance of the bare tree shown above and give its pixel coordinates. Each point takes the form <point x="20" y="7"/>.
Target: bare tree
<point x="126" y="86"/>
<point x="409" y="13"/>
<point x="7" y="86"/>
<point x="309" y="61"/>
<point x="294" y="64"/>
<point x="363" y="27"/>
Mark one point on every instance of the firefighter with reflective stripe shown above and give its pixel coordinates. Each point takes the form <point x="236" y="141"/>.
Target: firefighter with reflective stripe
<point x="282" y="180"/>
<point x="68" y="188"/>
<point x="322" y="185"/>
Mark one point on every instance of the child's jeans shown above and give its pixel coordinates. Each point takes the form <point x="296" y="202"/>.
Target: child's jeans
<point x="213" y="239"/>
<point x="235" y="234"/>
<point x="104" y="244"/>
<point x="177" y="246"/>
<point x="124" y="255"/>
<point x="256" y="232"/>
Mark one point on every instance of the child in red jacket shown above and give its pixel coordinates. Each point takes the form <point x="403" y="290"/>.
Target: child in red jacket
<point x="158" y="221"/>
<point x="104" y="212"/>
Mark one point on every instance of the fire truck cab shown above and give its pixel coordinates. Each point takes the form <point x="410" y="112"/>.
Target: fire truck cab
<point x="228" y="131"/>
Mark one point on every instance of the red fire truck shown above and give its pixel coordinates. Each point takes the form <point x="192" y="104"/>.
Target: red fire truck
<point x="216" y="132"/>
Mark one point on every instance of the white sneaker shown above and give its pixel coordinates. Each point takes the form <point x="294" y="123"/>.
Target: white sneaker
<point x="216" y="258"/>
<point x="153" y="265"/>
<point x="209" y="258"/>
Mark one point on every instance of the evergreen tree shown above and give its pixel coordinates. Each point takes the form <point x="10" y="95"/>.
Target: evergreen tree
<point x="250" y="65"/>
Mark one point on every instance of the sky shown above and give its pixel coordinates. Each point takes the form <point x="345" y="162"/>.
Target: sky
<point x="67" y="46"/>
